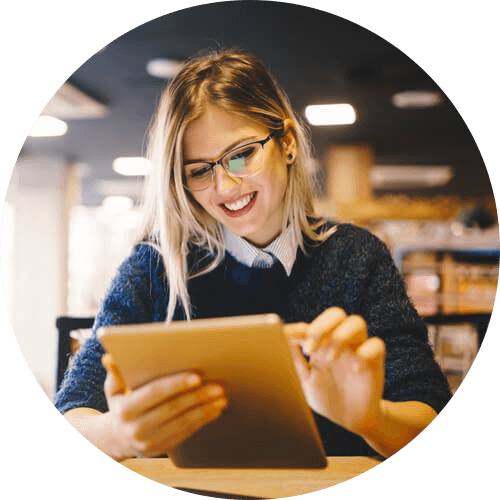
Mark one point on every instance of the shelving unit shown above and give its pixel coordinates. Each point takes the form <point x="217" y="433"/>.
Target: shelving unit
<point x="453" y="287"/>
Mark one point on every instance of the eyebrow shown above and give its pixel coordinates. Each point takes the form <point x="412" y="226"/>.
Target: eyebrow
<point x="232" y="146"/>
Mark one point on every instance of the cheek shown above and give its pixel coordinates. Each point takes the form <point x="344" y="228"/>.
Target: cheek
<point x="202" y="206"/>
<point x="280" y="182"/>
<point x="201" y="200"/>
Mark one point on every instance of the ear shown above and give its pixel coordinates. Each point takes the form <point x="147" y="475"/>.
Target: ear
<point x="289" y="141"/>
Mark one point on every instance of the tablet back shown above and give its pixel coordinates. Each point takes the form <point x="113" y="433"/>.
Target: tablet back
<point x="267" y="422"/>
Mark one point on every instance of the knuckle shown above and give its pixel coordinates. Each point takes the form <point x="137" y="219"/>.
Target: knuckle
<point x="134" y="436"/>
<point x="336" y="312"/>
<point x="143" y="447"/>
<point x="122" y="412"/>
<point x="185" y="401"/>
<point x="380" y="344"/>
<point x="358" y="320"/>
<point x="151" y="389"/>
<point x="129" y="431"/>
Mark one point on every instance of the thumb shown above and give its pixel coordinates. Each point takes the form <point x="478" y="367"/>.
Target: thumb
<point x="114" y="383"/>
<point x="300" y="362"/>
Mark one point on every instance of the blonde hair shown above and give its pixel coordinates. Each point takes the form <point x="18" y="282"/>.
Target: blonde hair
<point x="237" y="82"/>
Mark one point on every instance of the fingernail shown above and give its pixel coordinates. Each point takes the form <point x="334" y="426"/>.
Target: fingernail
<point x="308" y="346"/>
<point x="193" y="379"/>
<point x="220" y="403"/>
<point x="215" y="390"/>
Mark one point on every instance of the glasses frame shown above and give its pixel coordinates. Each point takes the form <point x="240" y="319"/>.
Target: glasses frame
<point x="213" y="164"/>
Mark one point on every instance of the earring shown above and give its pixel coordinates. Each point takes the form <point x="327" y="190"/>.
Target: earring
<point x="290" y="156"/>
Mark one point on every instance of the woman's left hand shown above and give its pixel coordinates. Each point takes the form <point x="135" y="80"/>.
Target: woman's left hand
<point x="344" y="378"/>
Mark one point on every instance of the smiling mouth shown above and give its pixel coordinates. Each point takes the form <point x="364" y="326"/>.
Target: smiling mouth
<point x="240" y="204"/>
<point x="240" y="207"/>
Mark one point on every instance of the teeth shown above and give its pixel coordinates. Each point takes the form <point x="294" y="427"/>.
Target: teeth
<point x="238" y="205"/>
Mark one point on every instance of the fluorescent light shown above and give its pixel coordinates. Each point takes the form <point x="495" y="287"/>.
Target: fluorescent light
<point x="410" y="176"/>
<point x="331" y="114"/>
<point x="416" y="99"/>
<point x="132" y="165"/>
<point x="48" y="126"/>
<point x="163" y="68"/>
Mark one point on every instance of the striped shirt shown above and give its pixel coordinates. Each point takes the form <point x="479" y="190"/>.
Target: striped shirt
<point x="281" y="248"/>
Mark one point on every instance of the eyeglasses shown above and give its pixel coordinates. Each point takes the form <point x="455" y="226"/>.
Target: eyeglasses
<point x="242" y="161"/>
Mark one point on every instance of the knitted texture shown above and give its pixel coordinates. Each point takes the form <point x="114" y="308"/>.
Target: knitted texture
<point x="352" y="270"/>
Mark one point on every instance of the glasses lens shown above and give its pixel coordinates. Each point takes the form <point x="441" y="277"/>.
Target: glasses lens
<point x="243" y="161"/>
<point x="246" y="160"/>
<point x="198" y="176"/>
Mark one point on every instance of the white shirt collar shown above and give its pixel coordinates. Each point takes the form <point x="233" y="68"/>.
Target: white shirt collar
<point x="283" y="248"/>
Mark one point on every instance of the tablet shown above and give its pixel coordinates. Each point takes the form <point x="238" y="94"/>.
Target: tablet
<point x="267" y="423"/>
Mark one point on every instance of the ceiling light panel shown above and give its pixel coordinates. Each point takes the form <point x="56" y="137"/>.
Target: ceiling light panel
<point x="416" y="99"/>
<point x="163" y="68"/>
<point x="48" y="126"/>
<point x="132" y="165"/>
<point x="330" y="114"/>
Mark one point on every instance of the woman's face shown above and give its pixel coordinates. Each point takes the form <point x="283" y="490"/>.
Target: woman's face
<point x="251" y="207"/>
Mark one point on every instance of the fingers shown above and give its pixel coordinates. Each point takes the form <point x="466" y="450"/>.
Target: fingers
<point x="155" y="434"/>
<point x="336" y="330"/>
<point x="372" y="352"/>
<point x="152" y="394"/>
<point x="170" y="434"/>
<point x="153" y="418"/>
<point x="174" y="408"/>
<point x="350" y="334"/>
<point x="181" y="415"/>
<point x="296" y="331"/>
<point x="321" y="328"/>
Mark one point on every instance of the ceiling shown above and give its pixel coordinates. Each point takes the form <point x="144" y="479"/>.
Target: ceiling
<point x="315" y="56"/>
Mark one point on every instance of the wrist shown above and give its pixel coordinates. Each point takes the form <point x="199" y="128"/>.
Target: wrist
<point x="375" y="422"/>
<point x="97" y="428"/>
<point x="109" y="441"/>
<point x="396" y="425"/>
<point x="380" y="432"/>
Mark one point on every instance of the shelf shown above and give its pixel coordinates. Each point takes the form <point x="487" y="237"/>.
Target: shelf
<point x="401" y="250"/>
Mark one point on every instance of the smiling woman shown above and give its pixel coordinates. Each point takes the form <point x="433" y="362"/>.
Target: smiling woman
<point x="214" y="105"/>
<point x="230" y="230"/>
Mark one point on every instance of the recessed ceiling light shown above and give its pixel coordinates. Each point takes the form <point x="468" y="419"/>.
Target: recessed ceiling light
<point x="132" y="165"/>
<point x="48" y="126"/>
<point x="416" y="99"/>
<point x="163" y="68"/>
<point x="330" y="114"/>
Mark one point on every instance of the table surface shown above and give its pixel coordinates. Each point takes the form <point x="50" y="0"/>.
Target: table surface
<point x="251" y="483"/>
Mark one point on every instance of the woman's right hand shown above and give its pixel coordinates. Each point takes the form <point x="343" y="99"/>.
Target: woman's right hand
<point x="154" y="418"/>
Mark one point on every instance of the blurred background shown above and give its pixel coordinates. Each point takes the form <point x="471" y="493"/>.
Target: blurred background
<point x="392" y="154"/>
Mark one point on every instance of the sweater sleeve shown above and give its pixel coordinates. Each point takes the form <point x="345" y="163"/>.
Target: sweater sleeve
<point x="412" y="374"/>
<point x="136" y="295"/>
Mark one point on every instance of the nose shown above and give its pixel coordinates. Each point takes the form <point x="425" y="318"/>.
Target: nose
<point x="225" y="182"/>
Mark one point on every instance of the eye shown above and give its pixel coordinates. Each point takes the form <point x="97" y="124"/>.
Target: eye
<point x="199" y="171"/>
<point x="238" y="160"/>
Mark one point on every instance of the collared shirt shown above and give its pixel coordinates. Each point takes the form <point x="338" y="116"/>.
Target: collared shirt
<point x="282" y="248"/>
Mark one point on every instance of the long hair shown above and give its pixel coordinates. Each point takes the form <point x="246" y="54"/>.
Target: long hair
<point x="239" y="83"/>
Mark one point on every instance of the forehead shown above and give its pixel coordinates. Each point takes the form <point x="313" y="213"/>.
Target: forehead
<point x="216" y="131"/>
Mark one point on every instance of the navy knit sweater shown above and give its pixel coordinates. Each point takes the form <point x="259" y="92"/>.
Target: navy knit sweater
<point x="352" y="270"/>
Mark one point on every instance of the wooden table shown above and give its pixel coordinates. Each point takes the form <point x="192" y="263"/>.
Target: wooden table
<point x="251" y="483"/>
